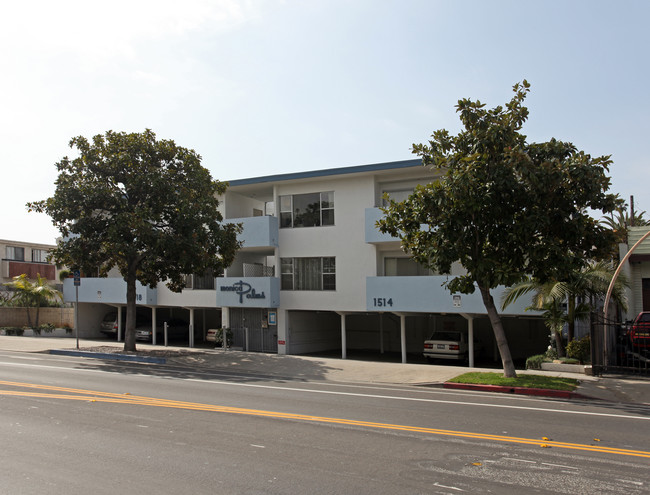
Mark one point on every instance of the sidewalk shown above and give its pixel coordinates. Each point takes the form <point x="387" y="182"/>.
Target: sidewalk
<point x="309" y="368"/>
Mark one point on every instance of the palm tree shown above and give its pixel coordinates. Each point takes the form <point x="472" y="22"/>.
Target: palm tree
<point x="587" y="284"/>
<point x="30" y="294"/>
<point x="554" y="319"/>
<point x="619" y="221"/>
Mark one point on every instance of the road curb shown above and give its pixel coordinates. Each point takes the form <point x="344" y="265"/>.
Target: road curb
<point x="109" y="355"/>
<point x="540" y="392"/>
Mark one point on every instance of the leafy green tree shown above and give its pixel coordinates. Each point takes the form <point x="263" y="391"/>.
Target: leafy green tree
<point x="32" y="294"/>
<point x="586" y="284"/>
<point x="144" y="206"/>
<point x="63" y="274"/>
<point x="503" y="207"/>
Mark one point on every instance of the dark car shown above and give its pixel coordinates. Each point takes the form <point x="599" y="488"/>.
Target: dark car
<point x="176" y="329"/>
<point x="109" y="322"/>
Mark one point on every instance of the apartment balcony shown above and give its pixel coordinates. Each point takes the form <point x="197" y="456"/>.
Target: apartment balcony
<point x="427" y="295"/>
<point x="14" y="268"/>
<point x="107" y="291"/>
<point x="248" y="292"/>
<point x="258" y="232"/>
<point x="373" y="236"/>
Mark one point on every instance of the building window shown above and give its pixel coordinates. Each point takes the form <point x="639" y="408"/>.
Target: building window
<point x="15" y="253"/>
<point x="404" y="267"/>
<point x="307" y="210"/>
<point x="397" y="195"/>
<point x="204" y="281"/>
<point x="308" y="273"/>
<point x="39" y="255"/>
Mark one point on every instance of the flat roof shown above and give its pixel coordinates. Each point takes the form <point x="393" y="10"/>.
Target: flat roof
<point x="328" y="172"/>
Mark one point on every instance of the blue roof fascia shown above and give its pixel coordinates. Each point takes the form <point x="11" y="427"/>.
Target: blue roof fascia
<point x="328" y="172"/>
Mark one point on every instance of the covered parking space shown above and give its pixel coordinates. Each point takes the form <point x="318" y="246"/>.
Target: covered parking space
<point x="186" y="326"/>
<point x="382" y="334"/>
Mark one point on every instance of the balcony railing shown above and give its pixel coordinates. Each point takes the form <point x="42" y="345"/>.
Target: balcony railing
<point x="108" y="291"/>
<point x="372" y="232"/>
<point x="258" y="232"/>
<point x="14" y="268"/>
<point x="428" y="295"/>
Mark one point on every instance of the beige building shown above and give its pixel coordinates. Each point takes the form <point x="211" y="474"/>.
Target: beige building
<point x="26" y="257"/>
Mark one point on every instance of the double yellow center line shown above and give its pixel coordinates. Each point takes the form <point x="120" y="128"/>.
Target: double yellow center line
<point x="96" y="396"/>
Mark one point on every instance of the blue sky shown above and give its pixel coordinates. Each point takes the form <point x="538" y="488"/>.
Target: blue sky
<point x="263" y="87"/>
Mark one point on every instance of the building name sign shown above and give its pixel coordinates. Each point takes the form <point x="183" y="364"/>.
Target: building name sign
<point x="242" y="289"/>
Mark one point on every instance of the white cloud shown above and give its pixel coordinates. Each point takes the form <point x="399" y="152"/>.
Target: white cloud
<point x="108" y="29"/>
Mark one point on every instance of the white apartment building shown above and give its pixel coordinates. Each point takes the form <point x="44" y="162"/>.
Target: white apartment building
<point x="315" y="275"/>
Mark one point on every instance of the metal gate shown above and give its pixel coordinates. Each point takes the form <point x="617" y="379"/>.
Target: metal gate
<point x="251" y="330"/>
<point x="613" y="351"/>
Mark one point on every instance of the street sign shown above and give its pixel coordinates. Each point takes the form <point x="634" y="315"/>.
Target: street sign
<point x="77" y="278"/>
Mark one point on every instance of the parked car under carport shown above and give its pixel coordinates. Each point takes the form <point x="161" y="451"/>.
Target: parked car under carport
<point x="177" y="329"/>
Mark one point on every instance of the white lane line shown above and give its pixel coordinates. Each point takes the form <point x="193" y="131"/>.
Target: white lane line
<point x="417" y="399"/>
<point x="558" y="465"/>
<point x="521" y="460"/>
<point x="448" y="487"/>
<point x="410" y="388"/>
<point x="638" y="483"/>
<point x="368" y="396"/>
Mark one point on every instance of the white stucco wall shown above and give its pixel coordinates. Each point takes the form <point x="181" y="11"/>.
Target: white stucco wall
<point x="345" y="240"/>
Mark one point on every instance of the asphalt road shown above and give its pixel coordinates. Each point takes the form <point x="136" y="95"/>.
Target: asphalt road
<point x="73" y="425"/>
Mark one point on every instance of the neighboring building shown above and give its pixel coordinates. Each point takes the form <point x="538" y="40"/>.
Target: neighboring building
<point x="29" y="258"/>
<point x="315" y="275"/>
<point x="637" y="269"/>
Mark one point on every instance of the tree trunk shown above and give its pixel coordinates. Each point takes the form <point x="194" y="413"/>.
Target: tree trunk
<point x="129" y="333"/>
<point x="38" y="310"/>
<point x="559" y="345"/>
<point x="499" y="333"/>
<point x="571" y="313"/>
<point x="29" y="317"/>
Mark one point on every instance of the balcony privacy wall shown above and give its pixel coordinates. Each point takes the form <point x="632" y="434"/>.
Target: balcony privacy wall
<point x="45" y="270"/>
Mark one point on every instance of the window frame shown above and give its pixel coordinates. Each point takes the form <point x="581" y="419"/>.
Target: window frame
<point x="287" y="215"/>
<point x="42" y="254"/>
<point x="421" y="270"/>
<point x="290" y="271"/>
<point x="12" y="250"/>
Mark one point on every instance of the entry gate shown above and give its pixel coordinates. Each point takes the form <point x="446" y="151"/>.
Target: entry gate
<point x="253" y="323"/>
<point x="613" y="351"/>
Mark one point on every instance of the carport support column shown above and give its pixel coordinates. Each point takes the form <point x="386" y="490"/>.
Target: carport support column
<point x="283" y="331"/>
<point x="344" y="344"/>
<point x="154" y="325"/>
<point x="402" y="325"/>
<point x="119" y="323"/>
<point x="191" y="329"/>
<point x="225" y="325"/>
<point x="470" y="338"/>
<point x="381" y="333"/>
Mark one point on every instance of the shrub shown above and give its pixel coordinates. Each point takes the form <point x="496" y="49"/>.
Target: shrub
<point x="535" y="362"/>
<point x="579" y="349"/>
<point x="13" y="330"/>
<point x="551" y="353"/>
<point x="219" y="337"/>
<point x="46" y="327"/>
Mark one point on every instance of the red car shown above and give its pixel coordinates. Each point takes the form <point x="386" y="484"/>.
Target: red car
<point x="640" y="332"/>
